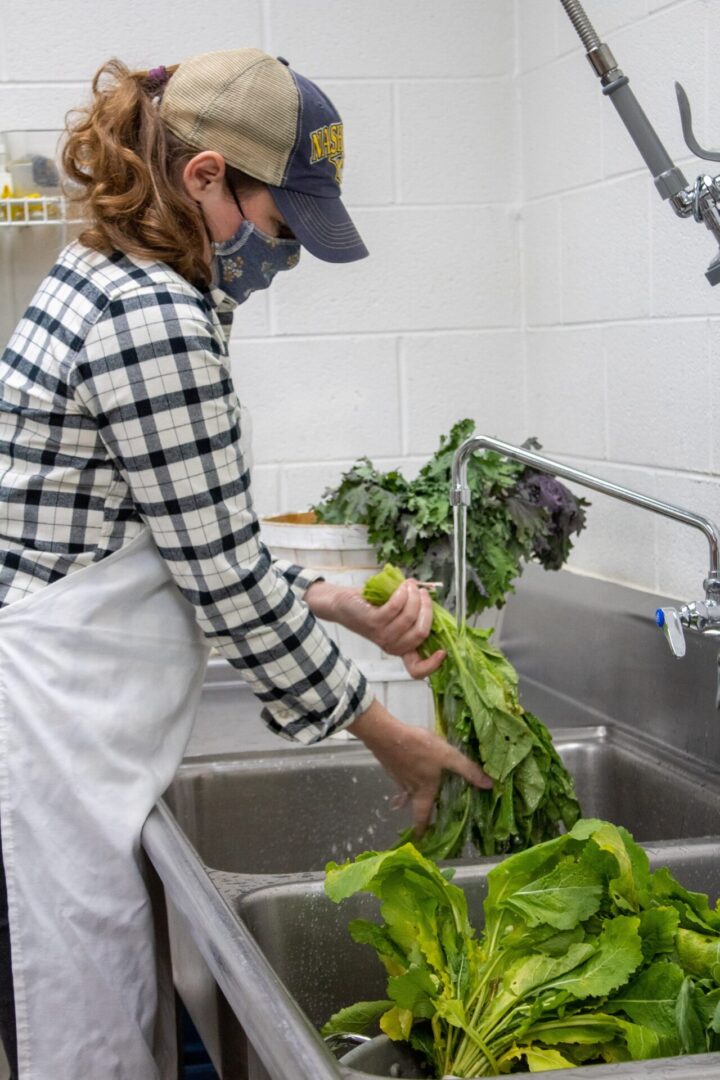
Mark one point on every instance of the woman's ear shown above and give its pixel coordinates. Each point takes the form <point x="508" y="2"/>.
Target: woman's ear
<point x="204" y="177"/>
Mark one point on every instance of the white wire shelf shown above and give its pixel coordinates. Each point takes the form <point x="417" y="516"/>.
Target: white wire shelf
<point x="34" y="210"/>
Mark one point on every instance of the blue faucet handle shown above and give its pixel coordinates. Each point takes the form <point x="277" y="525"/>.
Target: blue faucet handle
<point x="668" y="619"/>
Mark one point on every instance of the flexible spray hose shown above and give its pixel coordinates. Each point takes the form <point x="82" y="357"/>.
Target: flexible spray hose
<point x="582" y="24"/>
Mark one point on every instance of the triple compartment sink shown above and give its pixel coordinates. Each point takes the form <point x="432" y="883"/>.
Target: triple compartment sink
<point x="291" y="811"/>
<point x="265" y="823"/>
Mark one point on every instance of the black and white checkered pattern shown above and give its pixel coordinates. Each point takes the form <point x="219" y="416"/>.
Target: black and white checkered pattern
<point x="116" y="409"/>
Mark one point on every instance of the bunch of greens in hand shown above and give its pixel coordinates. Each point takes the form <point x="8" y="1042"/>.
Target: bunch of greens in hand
<point x="516" y="515"/>
<point x="586" y="957"/>
<point x="477" y="709"/>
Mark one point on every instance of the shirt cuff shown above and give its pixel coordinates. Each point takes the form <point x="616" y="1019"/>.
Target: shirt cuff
<point x="298" y="578"/>
<point x="300" y="727"/>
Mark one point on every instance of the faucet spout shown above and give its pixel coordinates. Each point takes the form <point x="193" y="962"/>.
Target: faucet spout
<point x="460" y="498"/>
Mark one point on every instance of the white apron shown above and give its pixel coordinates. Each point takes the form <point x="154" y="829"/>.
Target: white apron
<point x="100" y="675"/>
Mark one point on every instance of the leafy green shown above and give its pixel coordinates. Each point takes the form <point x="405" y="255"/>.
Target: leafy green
<point x="562" y="975"/>
<point x="478" y="710"/>
<point x="516" y="515"/>
<point x="356" y="1018"/>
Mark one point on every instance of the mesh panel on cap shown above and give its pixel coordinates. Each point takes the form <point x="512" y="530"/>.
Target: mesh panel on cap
<point x="241" y="103"/>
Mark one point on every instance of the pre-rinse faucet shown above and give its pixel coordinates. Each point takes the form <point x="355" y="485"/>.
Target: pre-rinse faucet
<point x="700" y="615"/>
<point x="700" y="200"/>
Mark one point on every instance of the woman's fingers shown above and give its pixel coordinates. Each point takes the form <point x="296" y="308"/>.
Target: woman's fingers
<point x="409" y="625"/>
<point x="398" y="626"/>
<point x="463" y="766"/>
<point x="422" y="807"/>
<point x="421" y="669"/>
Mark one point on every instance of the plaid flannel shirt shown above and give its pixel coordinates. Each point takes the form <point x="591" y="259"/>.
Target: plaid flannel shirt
<point x="117" y="410"/>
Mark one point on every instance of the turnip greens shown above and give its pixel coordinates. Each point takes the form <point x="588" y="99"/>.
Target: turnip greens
<point x="585" y="957"/>
<point x="478" y="710"/>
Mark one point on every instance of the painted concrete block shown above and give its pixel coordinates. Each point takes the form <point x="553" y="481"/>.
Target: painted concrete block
<point x="39" y="108"/>
<point x="411" y="701"/>
<point x="315" y="400"/>
<point x="71" y="44"/>
<point x="370" y="141"/>
<point x="468" y="122"/>
<point x="606" y="17"/>
<point x="713" y="402"/>
<point x="657" y="384"/>
<point x="252" y="319"/>
<point x="303" y="485"/>
<point x="542" y="264"/>
<point x="405" y="39"/>
<point x="447" y="377"/>
<point x="536" y="33"/>
<point x="606" y="251"/>
<point x="681" y="250"/>
<point x="265" y="480"/>
<point x="560" y="127"/>
<point x="618" y="542"/>
<point x="452" y="267"/>
<point x="566" y="391"/>
<point x="682" y="554"/>
<point x="654" y="53"/>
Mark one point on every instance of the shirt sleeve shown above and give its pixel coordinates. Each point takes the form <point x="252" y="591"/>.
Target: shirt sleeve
<point x="154" y="376"/>
<point x="298" y="578"/>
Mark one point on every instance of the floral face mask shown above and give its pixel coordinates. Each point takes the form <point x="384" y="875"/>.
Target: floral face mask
<point x="250" y="259"/>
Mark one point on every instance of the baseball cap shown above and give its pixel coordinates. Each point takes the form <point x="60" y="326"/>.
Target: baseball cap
<point x="274" y="124"/>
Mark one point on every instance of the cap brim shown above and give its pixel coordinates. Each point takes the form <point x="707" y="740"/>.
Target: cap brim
<point x="322" y="225"/>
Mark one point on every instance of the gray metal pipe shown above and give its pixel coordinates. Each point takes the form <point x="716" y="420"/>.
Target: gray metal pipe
<point x="669" y="180"/>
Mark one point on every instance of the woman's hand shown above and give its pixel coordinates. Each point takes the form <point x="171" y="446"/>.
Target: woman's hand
<point x="415" y="758"/>
<point x="398" y="627"/>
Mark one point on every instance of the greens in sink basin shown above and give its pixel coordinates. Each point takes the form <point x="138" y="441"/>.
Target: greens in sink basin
<point x="586" y="956"/>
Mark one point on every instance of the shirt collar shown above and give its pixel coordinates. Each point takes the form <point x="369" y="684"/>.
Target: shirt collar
<point x="220" y="300"/>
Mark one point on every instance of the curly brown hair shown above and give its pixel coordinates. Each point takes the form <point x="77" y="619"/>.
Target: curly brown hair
<point x="125" y="167"/>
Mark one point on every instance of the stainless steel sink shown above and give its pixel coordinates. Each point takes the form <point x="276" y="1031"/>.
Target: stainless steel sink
<point x="265" y="824"/>
<point x="291" y="811"/>
<point x="305" y="938"/>
<point x="255" y="944"/>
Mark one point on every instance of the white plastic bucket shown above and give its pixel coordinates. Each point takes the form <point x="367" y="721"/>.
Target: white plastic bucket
<point x="302" y="539"/>
<point x="341" y="553"/>
<point x="344" y="556"/>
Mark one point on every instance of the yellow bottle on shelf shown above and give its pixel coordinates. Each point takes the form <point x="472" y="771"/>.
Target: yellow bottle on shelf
<point x="6" y="183"/>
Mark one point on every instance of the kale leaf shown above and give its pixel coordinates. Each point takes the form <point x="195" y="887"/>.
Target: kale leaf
<point x="517" y="515"/>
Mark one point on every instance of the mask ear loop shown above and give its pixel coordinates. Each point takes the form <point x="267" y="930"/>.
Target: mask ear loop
<point x="235" y="198"/>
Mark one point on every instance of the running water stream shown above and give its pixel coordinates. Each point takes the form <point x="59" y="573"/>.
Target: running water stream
<point x="460" y="558"/>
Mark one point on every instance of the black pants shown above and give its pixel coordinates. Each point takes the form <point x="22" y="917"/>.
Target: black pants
<point x="7" y="998"/>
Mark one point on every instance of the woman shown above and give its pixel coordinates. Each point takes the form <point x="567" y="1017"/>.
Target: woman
<point x="129" y="544"/>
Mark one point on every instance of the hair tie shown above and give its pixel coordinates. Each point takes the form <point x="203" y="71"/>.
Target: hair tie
<point x="157" y="75"/>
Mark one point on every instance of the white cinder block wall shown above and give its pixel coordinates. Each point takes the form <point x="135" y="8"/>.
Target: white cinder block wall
<point x="620" y="327"/>
<point x="523" y="269"/>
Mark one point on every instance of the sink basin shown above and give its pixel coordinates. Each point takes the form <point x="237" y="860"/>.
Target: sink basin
<point x="305" y="937"/>
<point x="292" y="811"/>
